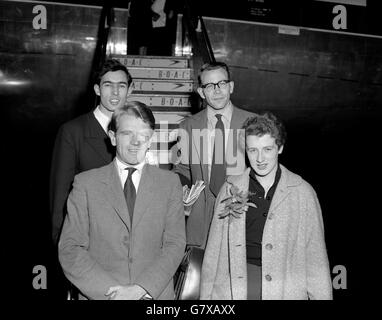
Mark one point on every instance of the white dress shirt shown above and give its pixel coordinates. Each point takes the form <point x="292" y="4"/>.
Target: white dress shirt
<point x="103" y="119"/>
<point x="136" y="177"/>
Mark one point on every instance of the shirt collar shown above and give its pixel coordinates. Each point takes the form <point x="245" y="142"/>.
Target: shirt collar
<point x="226" y="112"/>
<point x="122" y="166"/>
<point x="103" y="119"/>
<point x="252" y="175"/>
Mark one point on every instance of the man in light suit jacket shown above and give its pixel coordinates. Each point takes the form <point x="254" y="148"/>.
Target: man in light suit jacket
<point x="196" y="145"/>
<point x="121" y="245"/>
<point x="82" y="143"/>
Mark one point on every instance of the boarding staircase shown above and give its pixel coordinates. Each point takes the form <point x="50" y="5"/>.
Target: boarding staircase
<point x="165" y="84"/>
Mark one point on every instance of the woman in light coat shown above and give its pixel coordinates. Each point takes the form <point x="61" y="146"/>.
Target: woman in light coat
<point x="292" y="253"/>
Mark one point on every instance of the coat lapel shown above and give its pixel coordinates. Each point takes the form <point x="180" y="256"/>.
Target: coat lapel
<point x="97" y="138"/>
<point x="281" y="192"/>
<point x="241" y="181"/>
<point x="115" y="196"/>
<point x="144" y="192"/>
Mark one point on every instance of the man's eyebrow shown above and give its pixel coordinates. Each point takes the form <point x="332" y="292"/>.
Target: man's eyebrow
<point x="118" y="82"/>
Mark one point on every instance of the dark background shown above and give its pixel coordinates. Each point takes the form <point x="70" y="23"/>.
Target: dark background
<point x="325" y="86"/>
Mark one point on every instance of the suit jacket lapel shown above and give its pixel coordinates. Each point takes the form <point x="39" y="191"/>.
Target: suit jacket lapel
<point x="115" y="196"/>
<point x="235" y="151"/>
<point x="144" y="192"/>
<point x="236" y="122"/>
<point x="200" y="123"/>
<point x="97" y="138"/>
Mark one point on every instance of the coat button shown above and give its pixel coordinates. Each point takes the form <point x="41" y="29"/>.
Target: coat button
<point x="268" y="277"/>
<point x="268" y="246"/>
<point x="265" y="214"/>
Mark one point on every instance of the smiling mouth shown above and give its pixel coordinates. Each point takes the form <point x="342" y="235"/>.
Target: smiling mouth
<point x="114" y="101"/>
<point x="261" y="166"/>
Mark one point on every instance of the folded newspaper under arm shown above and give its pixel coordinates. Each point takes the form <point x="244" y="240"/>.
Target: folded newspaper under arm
<point x="191" y="195"/>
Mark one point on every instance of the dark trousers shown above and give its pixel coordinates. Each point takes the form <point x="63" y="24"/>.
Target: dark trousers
<point x="253" y="282"/>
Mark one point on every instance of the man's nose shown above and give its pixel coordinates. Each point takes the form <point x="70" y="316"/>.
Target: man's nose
<point x="260" y="156"/>
<point x="134" y="140"/>
<point x="217" y="88"/>
<point x="115" y="89"/>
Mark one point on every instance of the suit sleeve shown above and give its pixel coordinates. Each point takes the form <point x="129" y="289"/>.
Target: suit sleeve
<point x="183" y="150"/>
<point x="156" y="278"/>
<point x="79" y="267"/>
<point x="319" y="285"/>
<point x="61" y="178"/>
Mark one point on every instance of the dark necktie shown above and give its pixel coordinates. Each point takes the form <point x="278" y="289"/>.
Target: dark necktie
<point x="218" y="166"/>
<point x="130" y="193"/>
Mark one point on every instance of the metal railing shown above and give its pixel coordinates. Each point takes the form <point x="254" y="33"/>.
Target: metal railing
<point x="193" y="40"/>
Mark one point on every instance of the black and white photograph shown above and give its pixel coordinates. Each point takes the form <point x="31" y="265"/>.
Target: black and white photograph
<point x="191" y="150"/>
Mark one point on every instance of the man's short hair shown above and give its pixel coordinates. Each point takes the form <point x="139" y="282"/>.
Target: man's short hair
<point x="266" y="123"/>
<point x="213" y="66"/>
<point x="135" y="108"/>
<point x="112" y="65"/>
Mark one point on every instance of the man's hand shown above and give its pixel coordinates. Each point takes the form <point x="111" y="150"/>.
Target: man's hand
<point x="131" y="292"/>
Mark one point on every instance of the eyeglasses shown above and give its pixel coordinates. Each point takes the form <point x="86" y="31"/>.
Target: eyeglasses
<point x="222" y="84"/>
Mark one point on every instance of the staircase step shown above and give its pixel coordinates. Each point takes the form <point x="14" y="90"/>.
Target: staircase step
<point x="161" y="73"/>
<point x="161" y="100"/>
<point x="163" y="147"/>
<point x="166" y="118"/>
<point x="152" y="61"/>
<point x="165" y="136"/>
<point x="162" y="85"/>
<point x="165" y="85"/>
<point x="170" y="109"/>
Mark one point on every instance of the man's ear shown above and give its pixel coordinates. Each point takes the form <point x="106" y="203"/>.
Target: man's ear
<point x="201" y="93"/>
<point x="281" y="149"/>
<point x="151" y="139"/>
<point x="96" y="90"/>
<point x="111" y="135"/>
<point x="231" y="86"/>
<point x="130" y="90"/>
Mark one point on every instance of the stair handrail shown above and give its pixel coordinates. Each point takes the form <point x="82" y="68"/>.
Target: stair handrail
<point x="207" y="40"/>
<point x="196" y="32"/>
<point x="104" y="27"/>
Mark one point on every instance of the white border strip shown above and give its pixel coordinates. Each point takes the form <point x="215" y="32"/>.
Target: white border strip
<point x="361" y="3"/>
<point x="285" y="25"/>
<point x="63" y="4"/>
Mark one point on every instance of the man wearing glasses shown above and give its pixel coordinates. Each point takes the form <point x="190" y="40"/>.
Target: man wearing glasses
<point x="124" y="235"/>
<point x="209" y="147"/>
